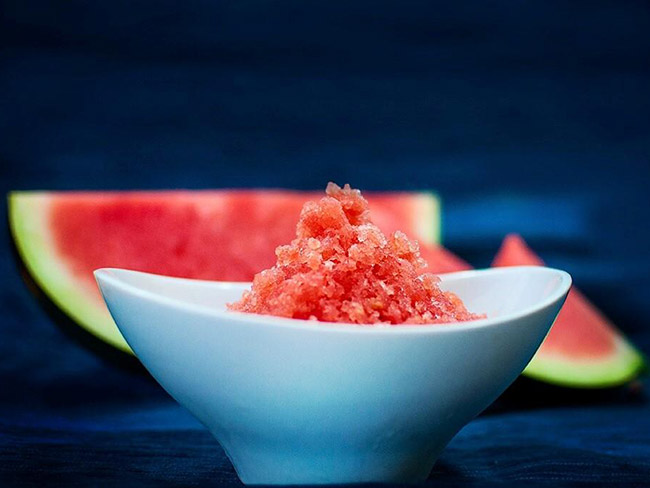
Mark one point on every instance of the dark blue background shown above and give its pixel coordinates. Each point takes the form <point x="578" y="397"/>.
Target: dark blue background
<point x="525" y="116"/>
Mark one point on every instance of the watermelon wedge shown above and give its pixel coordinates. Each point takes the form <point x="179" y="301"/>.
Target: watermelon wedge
<point x="584" y="349"/>
<point x="216" y="235"/>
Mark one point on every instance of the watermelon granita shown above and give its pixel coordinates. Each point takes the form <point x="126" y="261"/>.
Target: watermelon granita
<point x="342" y="268"/>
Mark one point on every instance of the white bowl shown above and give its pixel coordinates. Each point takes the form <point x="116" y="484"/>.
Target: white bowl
<point x="301" y="402"/>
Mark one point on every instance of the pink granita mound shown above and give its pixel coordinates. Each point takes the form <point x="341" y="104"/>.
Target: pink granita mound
<point x="342" y="268"/>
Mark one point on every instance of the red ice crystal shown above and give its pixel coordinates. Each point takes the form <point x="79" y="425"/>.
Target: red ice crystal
<point x="342" y="268"/>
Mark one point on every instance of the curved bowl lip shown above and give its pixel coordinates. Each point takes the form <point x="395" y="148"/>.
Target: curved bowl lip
<point x="106" y="275"/>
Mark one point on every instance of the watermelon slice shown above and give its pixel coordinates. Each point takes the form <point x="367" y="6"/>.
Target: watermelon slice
<point x="215" y="235"/>
<point x="584" y="349"/>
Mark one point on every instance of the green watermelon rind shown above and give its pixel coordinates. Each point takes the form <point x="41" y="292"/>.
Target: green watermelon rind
<point x="619" y="367"/>
<point x="428" y="218"/>
<point x="29" y="229"/>
<point x="28" y="222"/>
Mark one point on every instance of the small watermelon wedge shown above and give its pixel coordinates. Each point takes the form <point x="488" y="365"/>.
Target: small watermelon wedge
<point x="583" y="349"/>
<point x="227" y="235"/>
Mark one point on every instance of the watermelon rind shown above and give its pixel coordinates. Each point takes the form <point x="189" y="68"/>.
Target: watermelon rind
<point x="29" y="226"/>
<point x="427" y="214"/>
<point x="28" y="213"/>
<point x="620" y="366"/>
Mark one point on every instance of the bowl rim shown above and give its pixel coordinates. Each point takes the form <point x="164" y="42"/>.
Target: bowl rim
<point x="107" y="275"/>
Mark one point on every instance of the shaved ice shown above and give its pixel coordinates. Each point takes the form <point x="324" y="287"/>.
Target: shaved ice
<point x="342" y="268"/>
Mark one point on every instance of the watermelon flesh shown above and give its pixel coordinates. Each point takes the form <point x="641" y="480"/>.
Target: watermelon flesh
<point x="226" y="236"/>
<point x="583" y="348"/>
<point x="215" y="235"/>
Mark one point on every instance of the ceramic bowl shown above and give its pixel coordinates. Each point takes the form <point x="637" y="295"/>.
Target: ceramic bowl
<point x="303" y="402"/>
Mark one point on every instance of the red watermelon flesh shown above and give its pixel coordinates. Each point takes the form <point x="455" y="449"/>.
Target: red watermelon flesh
<point x="581" y="333"/>
<point x="226" y="235"/>
<point x="441" y="259"/>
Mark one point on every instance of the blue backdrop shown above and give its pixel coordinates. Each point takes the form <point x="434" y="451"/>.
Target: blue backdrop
<point x="524" y="116"/>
